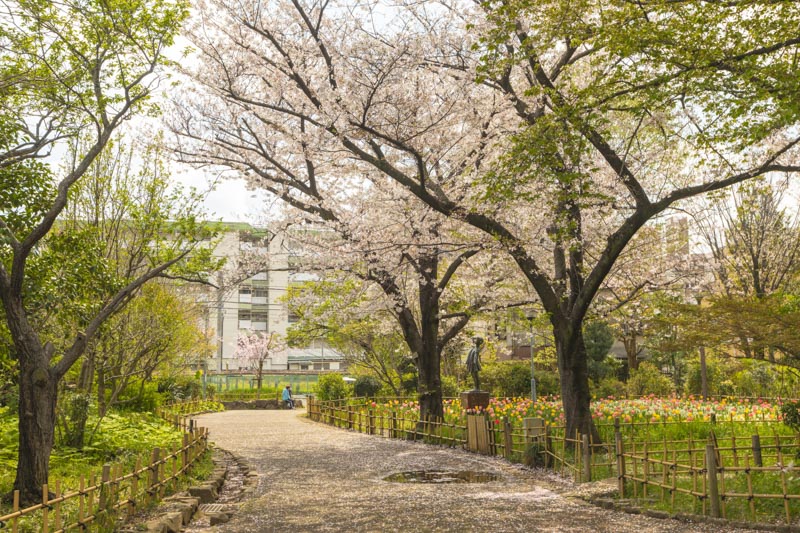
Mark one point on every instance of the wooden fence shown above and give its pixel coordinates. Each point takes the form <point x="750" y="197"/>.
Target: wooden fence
<point x="98" y="501"/>
<point x="756" y="479"/>
<point x="385" y="423"/>
<point x="708" y="475"/>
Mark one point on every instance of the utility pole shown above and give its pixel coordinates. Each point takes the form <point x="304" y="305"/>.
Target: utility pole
<point x="530" y="314"/>
<point x="220" y="320"/>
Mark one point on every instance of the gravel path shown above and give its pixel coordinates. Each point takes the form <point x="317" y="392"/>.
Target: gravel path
<point x="317" y="478"/>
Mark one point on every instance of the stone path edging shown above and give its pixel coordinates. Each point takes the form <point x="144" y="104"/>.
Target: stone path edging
<point x="178" y="510"/>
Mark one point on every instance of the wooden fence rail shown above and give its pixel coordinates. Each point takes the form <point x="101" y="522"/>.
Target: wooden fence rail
<point x="98" y="502"/>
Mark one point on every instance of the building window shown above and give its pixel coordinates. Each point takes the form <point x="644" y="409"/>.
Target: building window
<point x="244" y="319"/>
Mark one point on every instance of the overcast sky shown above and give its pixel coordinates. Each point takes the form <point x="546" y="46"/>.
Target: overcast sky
<point x="230" y="200"/>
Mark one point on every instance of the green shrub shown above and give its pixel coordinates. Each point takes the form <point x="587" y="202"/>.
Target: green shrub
<point x="181" y="388"/>
<point x="507" y="378"/>
<point x="547" y="383"/>
<point x="366" y="386"/>
<point x="140" y="398"/>
<point x="332" y="387"/>
<point x="450" y="387"/>
<point x="694" y="380"/>
<point x="648" y="379"/>
<point x="607" y="387"/>
<point x="790" y="410"/>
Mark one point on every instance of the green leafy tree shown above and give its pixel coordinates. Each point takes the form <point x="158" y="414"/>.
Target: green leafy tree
<point x="70" y="70"/>
<point x="755" y="245"/>
<point x="341" y="314"/>
<point x="648" y="379"/>
<point x="366" y="386"/>
<point x="332" y="387"/>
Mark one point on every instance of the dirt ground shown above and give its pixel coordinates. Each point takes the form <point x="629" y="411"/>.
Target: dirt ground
<point x="317" y="478"/>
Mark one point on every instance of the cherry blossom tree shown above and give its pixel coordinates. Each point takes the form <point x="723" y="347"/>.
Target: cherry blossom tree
<point x="558" y="132"/>
<point x="253" y="350"/>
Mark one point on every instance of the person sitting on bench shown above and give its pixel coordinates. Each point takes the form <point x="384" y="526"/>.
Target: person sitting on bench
<point x="287" y="397"/>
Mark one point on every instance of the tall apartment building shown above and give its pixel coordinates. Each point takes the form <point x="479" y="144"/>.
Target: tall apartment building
<point x="256" y="304"/>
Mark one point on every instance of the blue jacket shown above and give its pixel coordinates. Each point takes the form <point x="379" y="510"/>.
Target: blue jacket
<point x="287" y="395"/>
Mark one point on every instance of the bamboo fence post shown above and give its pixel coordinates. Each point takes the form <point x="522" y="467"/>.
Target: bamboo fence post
<point x="134" y="487"/>
<point x="674" y="480"/>
<point x="45" y="498"/>
<point x="371" y="415"/>
<point x="81" y="499"/>
<point x="185" y="453"/>
<point x="162" y="475"/>
<point x="548" y="448"/>
<point x="646" y="465"/>
<point x="750" y="498"/>
<point x="783" y="486"/>
<point x="152" y="485"/>
<point x="105" y="476"/>
<point x="57" y="517"/>
<point x="756" y="442"/>
<point x="174" y="455"/>
<point x="508" y="442"/>
<point x="635" y="471"/>
<point x="14" y="509"/>
<point x="721" y="470"/>
<point x="664" y="473"/>
<point x="620" y="458"/>
<point x="711" y="473"/>
<point x="587" y="458"/>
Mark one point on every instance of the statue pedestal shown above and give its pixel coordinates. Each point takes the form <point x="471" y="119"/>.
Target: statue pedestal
<point x="475" y="399"/>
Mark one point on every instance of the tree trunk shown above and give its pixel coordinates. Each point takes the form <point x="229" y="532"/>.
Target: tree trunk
<point x="86" y="378"/>
<point x="38" y="392"/>
<point x="703" y="373"/>
<point x="430" y="386"/>
<point x="632" y="351"/>
<point x="574" y="372"/>
<point x="78" y="410"/>
<point x="258" y="378"/>
<point x="101" y="391"/>
<point x="429" y="360"/>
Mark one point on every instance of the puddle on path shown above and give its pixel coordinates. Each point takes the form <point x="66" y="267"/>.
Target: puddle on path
<point x="441" y="476"/>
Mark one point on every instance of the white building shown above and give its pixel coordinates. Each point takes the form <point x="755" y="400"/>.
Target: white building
<point x="256" y="304"/>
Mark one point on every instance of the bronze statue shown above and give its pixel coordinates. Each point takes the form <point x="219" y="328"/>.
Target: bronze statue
<point x="474" y="361"/>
